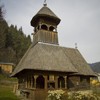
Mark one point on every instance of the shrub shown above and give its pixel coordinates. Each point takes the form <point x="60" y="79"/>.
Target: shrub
<point x="79" y="95"/>
<point x="55" y="94"/>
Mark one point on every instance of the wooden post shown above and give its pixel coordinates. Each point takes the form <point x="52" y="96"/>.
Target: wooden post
<point x="26" y="82"/>
<point x="31" y="82"/>
<point x="35" y="77"/>
<point x="45" y="77"/>
<point x="56" y="82"/>
<point x="65" y="82"/>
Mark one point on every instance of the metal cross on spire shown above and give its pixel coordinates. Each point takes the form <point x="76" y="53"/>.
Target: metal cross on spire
<point x="45" y="4"/>
<point x="44" y="1"/>
<point x="76" y="46"/>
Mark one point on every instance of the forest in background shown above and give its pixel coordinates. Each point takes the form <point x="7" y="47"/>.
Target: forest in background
<point x="95" y="67"/>
<point x="13" y="41"/>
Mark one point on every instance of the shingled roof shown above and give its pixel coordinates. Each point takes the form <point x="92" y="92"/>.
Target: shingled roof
<point x="47" y="57"/>
<point x="47" y="13"/>
<point x="79" y="62"/>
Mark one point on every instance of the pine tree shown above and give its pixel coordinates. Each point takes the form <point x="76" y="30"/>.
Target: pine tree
<point x="1" y="13"/>
<point x="13" y="41"/>
<point x="3" y="29"/>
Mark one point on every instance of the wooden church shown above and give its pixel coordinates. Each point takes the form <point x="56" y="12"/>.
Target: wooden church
<point x="46" y="65"/>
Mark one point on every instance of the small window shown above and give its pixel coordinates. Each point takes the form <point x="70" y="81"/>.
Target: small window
<point x="51" y="78"/>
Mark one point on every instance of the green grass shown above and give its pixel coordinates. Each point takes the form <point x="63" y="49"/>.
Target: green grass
<point x="7" y="94"/>
<point x="4" y="77"/>
<point x="6" y="87"/>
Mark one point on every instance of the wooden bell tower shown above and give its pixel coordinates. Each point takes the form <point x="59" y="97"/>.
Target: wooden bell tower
<point x="45" y="26"/>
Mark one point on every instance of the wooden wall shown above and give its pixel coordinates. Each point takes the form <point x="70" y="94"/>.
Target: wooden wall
<point x="6" y="68"/>
<point x="79" y="82"/>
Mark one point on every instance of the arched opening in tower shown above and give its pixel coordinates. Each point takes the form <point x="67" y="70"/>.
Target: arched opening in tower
<point x="44" y="27"/>
<point x="51" y="28"/>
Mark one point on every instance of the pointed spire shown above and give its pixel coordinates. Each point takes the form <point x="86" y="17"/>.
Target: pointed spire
<point x="45" y="4"/>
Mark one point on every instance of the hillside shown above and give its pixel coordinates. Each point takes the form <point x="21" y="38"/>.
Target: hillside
<point x="13" y="41"/>
<point x="95" y="67"/>
<point x="6" y="88"/>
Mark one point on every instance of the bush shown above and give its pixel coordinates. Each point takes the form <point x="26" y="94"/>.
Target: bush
<point x="55" y="94"/>
<point x="79" y="95"/>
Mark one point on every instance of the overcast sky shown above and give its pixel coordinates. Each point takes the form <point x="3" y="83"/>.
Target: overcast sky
<point x="80" y="22"/>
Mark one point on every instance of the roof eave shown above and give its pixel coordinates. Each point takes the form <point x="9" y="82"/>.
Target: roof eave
<point x="61" y="71"/>
<point x="36" y="18"/>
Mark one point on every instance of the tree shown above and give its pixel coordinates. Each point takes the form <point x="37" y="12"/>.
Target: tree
<point x="18" y="41"/>
<point x="13" y="41"/>
<point x="1" y="13"/>
<point x="3" y="29"/>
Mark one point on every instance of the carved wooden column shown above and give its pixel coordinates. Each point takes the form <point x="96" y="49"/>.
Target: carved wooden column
<point x="65" y="82"/>
<point x="56" y="82"/>
<point x="26" y="82"/>
<point x="31" y="81"/>
<point x="45" y="77"/>
<point x="35" y="77"/>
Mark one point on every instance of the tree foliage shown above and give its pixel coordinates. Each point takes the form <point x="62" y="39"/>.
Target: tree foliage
<point x="13" y="41"/>
<point x="1" y="13"/>
<point x="3" y="29"/>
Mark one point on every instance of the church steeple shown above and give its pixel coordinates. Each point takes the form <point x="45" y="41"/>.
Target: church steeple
<point x="45" y="26"/>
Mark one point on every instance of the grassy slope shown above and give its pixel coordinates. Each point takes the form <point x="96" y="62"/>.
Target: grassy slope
<point x="6" y="87"/>
<point x="7" y="94"/>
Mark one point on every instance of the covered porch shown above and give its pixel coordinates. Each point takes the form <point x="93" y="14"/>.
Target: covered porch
<point x="43" y="82"/>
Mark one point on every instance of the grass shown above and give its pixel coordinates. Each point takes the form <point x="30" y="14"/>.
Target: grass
<point x="6" y="87"/>
<point x="7" y="94"/>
